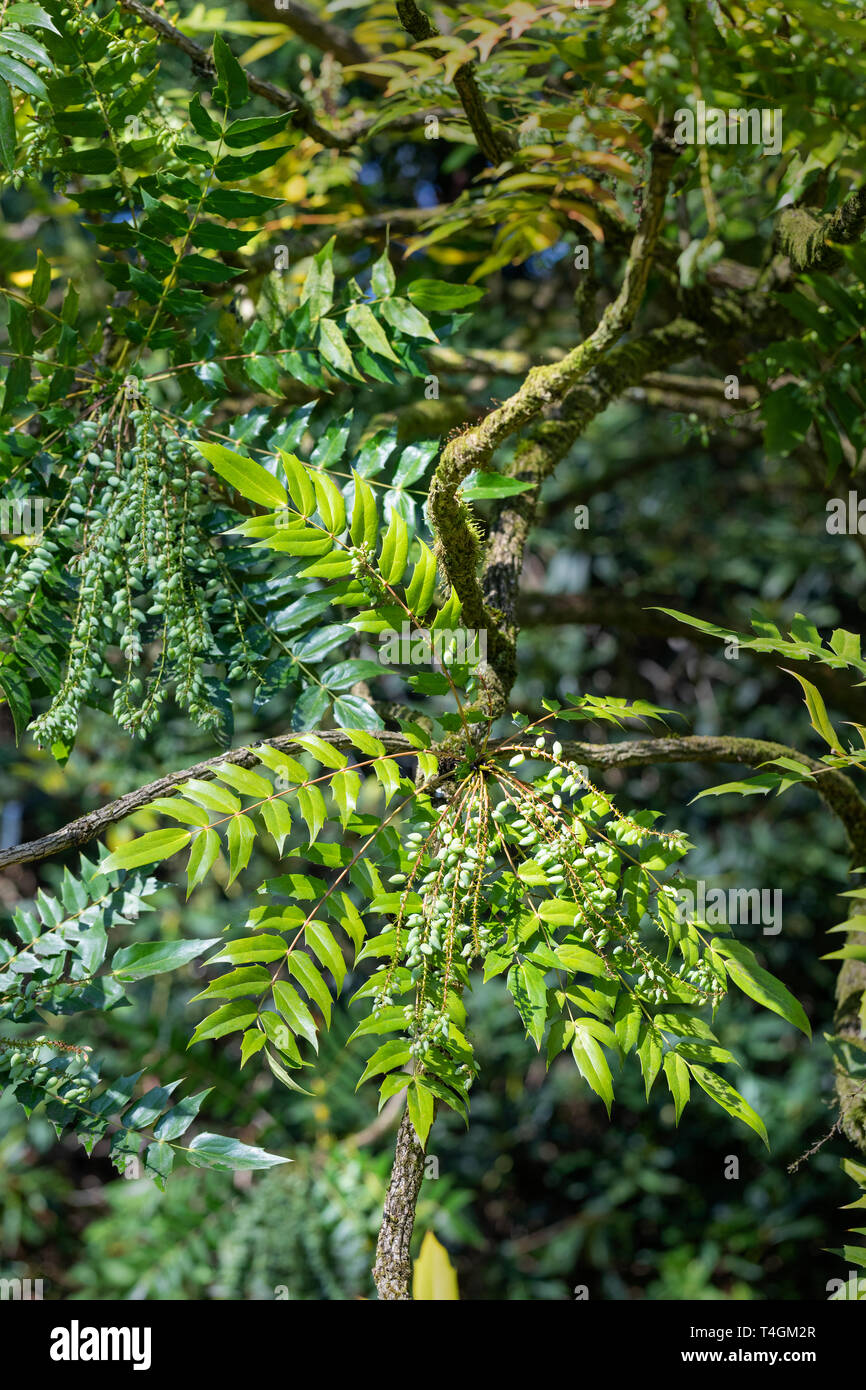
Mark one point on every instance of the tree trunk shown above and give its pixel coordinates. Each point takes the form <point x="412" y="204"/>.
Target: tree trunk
<point x="393" y="1268"/>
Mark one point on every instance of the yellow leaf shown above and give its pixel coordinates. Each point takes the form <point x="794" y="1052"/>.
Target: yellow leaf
<point x="434" y="1276"/>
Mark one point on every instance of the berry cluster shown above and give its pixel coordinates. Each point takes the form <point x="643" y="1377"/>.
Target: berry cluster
<point x="131" y="538"/>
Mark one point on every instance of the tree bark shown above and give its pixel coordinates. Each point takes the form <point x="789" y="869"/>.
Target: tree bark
<point x="393" y="1268"/>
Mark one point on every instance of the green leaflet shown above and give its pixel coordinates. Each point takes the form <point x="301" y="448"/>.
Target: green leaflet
<point x="759" y="984"/>
<point x="365" y="521"/>
<point x="321" y="941"/>
<point x="151" y="848"/>
<point x="421" y="1102"/>
<point x="203" y="854"/>
<point x="231" y="1017"/>
<point x="229" y="1155"/>
<point x="245" y="475"/>
<point x="301" y="966"/>
<point x="295" y="1012"/>
<point x="302" y="492"/>
<point x="592" y="1063"/>
<point x="332" y="508"/>
<point x="677" y="1074"/>
<point x="241" y="838"/>
<point x="395" y="550"/>
<point x="7" y="127"/>
<point x="423" y="582"/>
<point x="233" y="82"/>
<point x="156" y="957"/>
<point x="724" y="1094"/>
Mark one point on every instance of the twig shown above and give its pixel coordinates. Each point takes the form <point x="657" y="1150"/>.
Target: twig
<point x="321" y="33"/>
<point x="494" y="142"/>
<point x="203" y="63"/>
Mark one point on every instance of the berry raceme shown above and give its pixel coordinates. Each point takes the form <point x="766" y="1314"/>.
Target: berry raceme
<point x="494" y="878"/>
<point x="128" y="546"/>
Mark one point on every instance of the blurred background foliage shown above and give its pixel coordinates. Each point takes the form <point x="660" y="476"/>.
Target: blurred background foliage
<point x="542" y="1196"/>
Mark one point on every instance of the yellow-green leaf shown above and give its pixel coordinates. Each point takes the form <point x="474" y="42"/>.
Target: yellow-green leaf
<point x="147" y="849"/>
<point x="245" y="475"/>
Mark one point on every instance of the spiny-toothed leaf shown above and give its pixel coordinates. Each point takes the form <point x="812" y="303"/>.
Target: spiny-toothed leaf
<point x="428" y="765"/>
<point x="280" y="1036"/>
<point x="181" y="810"/>
<point x="386" y="1058"/>
<point x="403" y="315"/>
<point x="248" y="783"/>
<point x="331" y="567"/>
<point x="366" y="743"/>
<point x="395" y="549"/>
<point x="383" y="281"/>
<point x="143" y="1113"/>
<point x="365" y="519"/>
<point x="724" y="1094"/>
<point x="437" y="296"/>
<point x="300" y="487"/>
<point x="254" y="130"/>
<point x="305" y="543"/>
<point x="345" y="674"/>
<point x="155" y="957"/>
<point x="352" y="922"/>
<point x="236" y="984"/>
<point x="388" y="776"/>
<point x="19" y="75"/>
<point x="241" y="838"/>
<point x="335" y="350"/>
<point x="422" y="583"/>
<point x="650" y="1056"/>
<point x="179" y="1119"/>
<point x="281" y="763"/>
<point x="448" y="617"/>
<point x="392" y="1085"/>
<point x="252" y="1042"/>
<point x="305" y="972"/>
<point x="235" y="167"/>
<point x="313" y="810"/>
<point x="250" y="949"/>
<point x="388" y="1020"/>
<point x="281" y="1074"/>
<point x="245" y="475"/>
<point x="320" y="939"/>
<point x="12" y="685"/>
<point x="202" y="123"/>
<point x="352" y="710"/>
<point x="376" y="620"/>
<point x="818" y="715"/>
<point x="362" y="320"/>
<point x="30" y="16"/>
<point x="277" y="818"/>
<point x="760" y="985"/>
<point x="208" y="794"/>
<point x="295" y="1012"/>
<point x="677" y="1074"/>
<point x="229" y="1019"/>
<point x="345" y="787"/>
<point x="233" y="79"/>
<point x="421" y="1108"/>
<point x="526" y="983"/>
<point x="627" y="1015"/>
<point x="151" y="848"/>
<point x="229" y="1155"/>
<point x="325" y="752"/>
<point x="592" y="1063"/>
<point x="332" y="508"/>
<point x="202" y="856"/>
